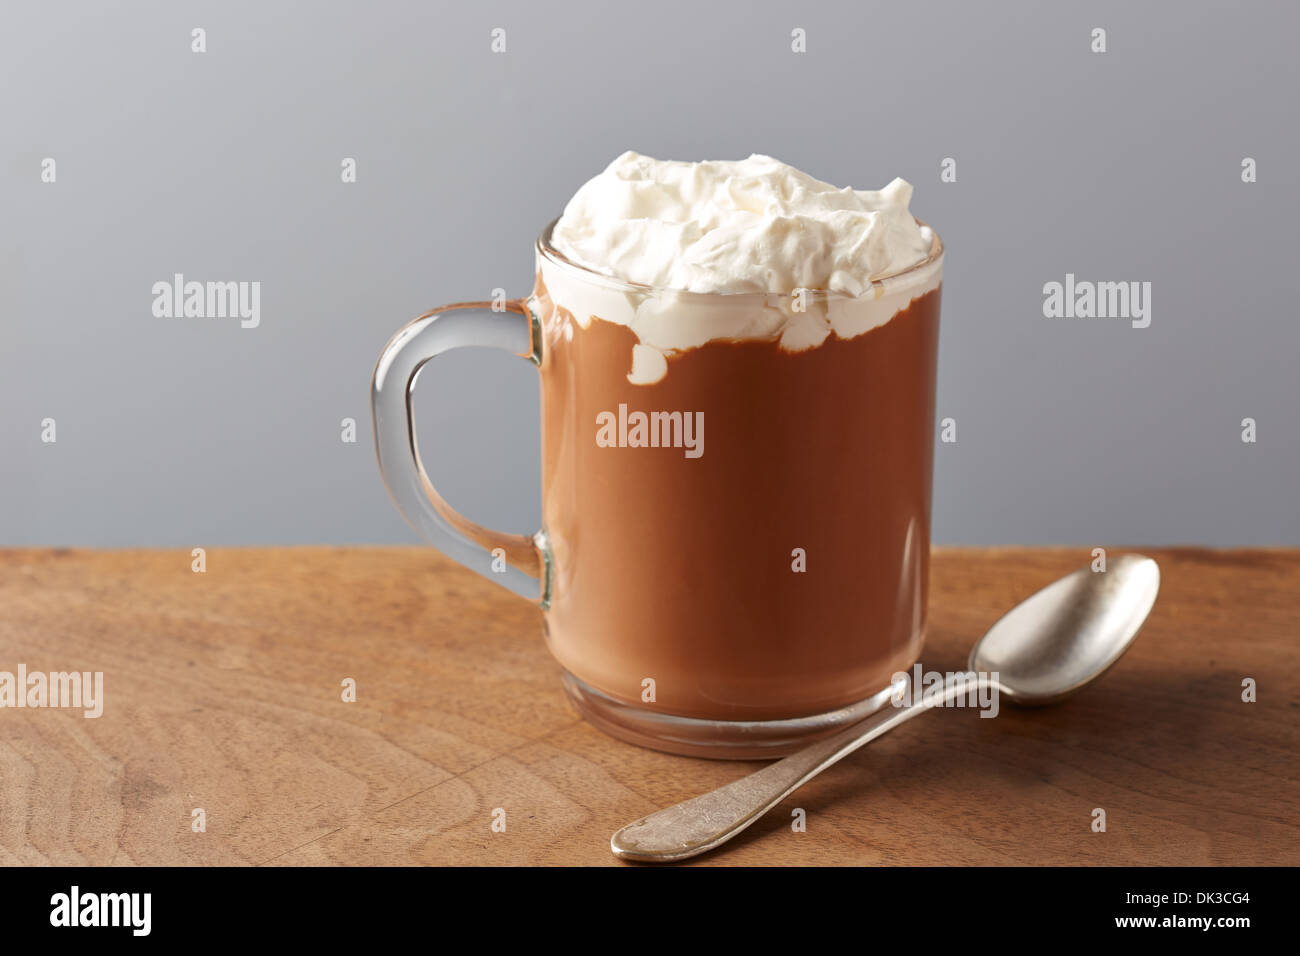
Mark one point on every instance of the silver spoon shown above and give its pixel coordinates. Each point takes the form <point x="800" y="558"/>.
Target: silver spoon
<point x="1042" y="650"/>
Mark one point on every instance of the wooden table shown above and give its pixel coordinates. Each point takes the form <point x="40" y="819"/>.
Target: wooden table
<point x="223" y="691"/>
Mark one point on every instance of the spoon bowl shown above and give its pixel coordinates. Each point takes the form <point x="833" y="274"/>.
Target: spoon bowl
<point x="1068" y="634"/>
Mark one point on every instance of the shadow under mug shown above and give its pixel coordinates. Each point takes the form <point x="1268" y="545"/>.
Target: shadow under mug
<point x="734" y="557"/>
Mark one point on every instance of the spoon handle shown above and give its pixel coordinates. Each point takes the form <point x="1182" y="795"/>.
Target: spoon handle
<point x="698" y="825"/>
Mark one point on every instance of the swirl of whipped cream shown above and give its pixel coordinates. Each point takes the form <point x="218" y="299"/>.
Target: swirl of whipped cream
<point x="754" y="226"/>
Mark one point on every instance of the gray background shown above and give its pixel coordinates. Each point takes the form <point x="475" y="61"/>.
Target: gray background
<point x="225" y="166"/>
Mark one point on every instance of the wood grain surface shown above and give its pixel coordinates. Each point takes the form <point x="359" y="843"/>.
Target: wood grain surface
<point x="223" y="692"/>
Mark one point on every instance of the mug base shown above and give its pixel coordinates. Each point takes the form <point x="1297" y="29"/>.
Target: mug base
<point x="717" y="739"/>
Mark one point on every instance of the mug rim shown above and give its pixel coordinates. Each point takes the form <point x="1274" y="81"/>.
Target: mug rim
<point x="547" y="250"/>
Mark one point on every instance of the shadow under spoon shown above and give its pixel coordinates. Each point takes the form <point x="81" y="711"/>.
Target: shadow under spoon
<point x="1044" y="649"/>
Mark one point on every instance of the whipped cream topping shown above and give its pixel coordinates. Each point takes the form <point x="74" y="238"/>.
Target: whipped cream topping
<point x="819" y="259"/>
<point x="756" y="225"/>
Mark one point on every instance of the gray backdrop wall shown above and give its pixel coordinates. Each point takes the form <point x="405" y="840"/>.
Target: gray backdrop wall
<point x="225" y="165"/>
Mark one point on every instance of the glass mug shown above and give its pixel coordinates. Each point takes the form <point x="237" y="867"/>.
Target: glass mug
<point x="734" y="553"/>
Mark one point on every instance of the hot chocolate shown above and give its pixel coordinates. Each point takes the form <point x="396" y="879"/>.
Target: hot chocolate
<point x="737" y="368"/>
<point x="781" y="573"/>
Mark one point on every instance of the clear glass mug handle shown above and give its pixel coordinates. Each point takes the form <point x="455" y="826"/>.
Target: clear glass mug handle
<point x="516" y="561"/>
